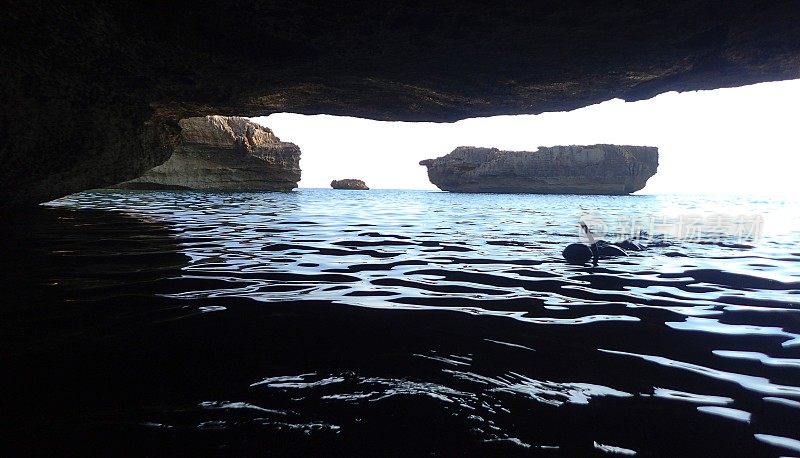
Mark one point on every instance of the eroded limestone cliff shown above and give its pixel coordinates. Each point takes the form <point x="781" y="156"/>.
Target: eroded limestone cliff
<point x="226" y="154"/>
<point x="595" y="169"/>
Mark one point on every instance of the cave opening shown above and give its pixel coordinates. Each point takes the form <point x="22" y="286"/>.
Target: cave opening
<point x="230" y="302"/>
<point x="709" y="141"/>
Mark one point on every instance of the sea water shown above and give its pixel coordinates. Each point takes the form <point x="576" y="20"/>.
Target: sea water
<point x="400" y="322"/>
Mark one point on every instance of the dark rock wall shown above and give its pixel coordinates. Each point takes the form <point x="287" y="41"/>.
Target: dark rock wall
<point x="91" y="92"/>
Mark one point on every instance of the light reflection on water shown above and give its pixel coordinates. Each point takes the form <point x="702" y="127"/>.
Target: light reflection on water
<point x="355" y="290"/>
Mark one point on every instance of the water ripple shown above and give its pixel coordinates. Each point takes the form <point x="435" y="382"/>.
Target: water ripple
<point x="334" y="321"/>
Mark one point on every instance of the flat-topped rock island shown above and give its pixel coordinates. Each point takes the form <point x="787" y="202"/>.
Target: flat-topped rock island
<point x="594" y="169"/>
<point x="349" y="183"/>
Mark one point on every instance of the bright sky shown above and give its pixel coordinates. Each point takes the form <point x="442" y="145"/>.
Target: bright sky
<point x="731" y="141"/>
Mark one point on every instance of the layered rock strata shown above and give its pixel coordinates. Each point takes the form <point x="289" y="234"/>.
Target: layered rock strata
<point x="595" y="169"/>
<point x="225" y="154"/>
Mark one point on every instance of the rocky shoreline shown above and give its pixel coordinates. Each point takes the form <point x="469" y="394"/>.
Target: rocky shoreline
<point x="594" y="169"/>
<point x="221" y="153"/>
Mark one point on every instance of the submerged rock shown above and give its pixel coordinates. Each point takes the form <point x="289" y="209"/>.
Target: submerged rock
<point x="349" y="183"/>
<point x="595" y="169"/>
<point x="225" y="154"/>
<point x="581" y="253"/>
<point x="609" y="250"/>
<point x="578" y="253"/>
<point x="630" y="245"/>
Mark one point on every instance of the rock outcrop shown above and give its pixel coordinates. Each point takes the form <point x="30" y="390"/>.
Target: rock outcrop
<point x="91" y="92"/>
<point x="349" y="183"/>
<point x="225" y="154"/>
<point x="595" y="169"/>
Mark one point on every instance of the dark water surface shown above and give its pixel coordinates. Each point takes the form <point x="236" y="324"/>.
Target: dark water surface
<point x="391" y="322"/>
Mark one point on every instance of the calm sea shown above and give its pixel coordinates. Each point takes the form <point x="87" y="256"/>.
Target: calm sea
<point x="399" y="322"/>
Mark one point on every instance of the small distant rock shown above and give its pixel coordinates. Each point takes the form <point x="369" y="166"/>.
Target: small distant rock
<point x="349" y="183"/>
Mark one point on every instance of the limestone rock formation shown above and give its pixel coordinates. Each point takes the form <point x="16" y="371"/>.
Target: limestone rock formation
<point x="595" y="169"/>
<point x="225" y="154"/>
<point x="91" y="92"/>
<point x="349" y="183"/>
